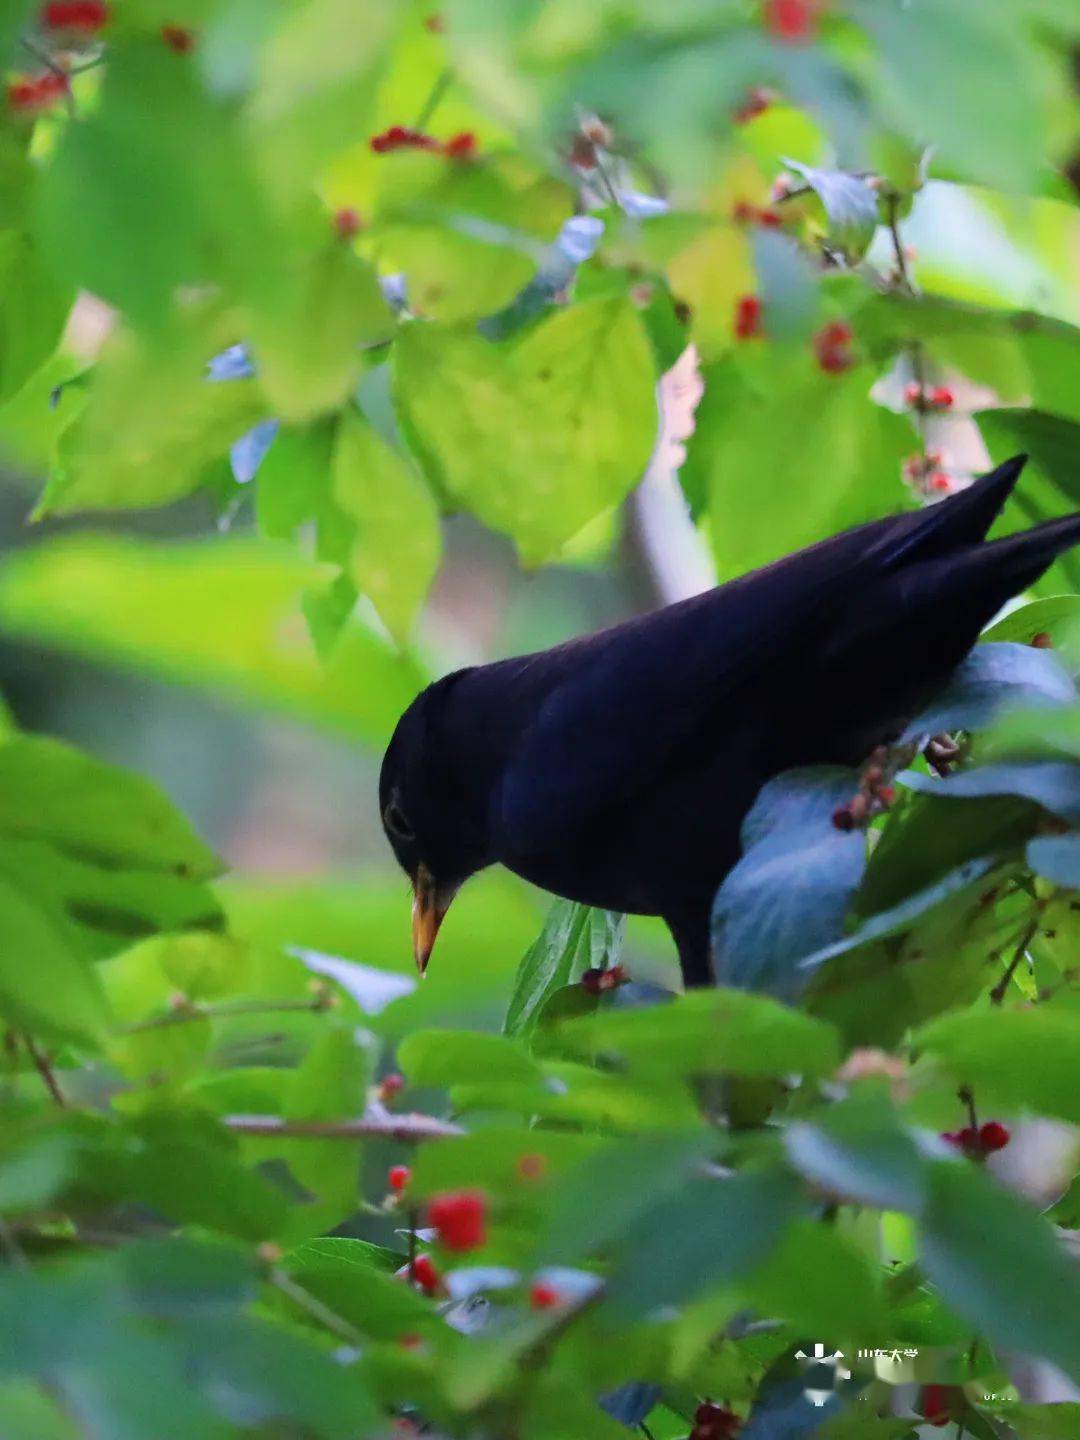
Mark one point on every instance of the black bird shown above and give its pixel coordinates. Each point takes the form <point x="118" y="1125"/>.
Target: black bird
<point x="616" y="769"/>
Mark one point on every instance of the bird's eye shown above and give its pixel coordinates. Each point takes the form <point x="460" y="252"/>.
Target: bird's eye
<point x="396" y="824"/>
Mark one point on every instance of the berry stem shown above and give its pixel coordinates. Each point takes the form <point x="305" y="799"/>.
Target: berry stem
<point x="892" y="219"/>
<point x="435" y="95"/>
<point x="997" y="994"/>
<point x="967" y="1099"/>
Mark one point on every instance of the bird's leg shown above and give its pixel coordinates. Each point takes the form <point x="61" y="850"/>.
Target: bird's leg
<point x="690" y="931"/>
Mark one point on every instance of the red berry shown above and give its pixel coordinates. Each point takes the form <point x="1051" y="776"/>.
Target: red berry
<point x="1041" y="640"/>
<point x="714" y="1422"/>
<point x="460" y="1219"/>
<point x="178" y="38"/>
<point x="85" y="16"/>
<point x="887" y="794"/>
<point x="936" y="1404"/>
<point x="913" y="395"/>
<point x="756" y="103"/>
<point x="793" y="21"/>
<point x="742" y="212"/>
<point x="347" y="223"/>
<point x="532" y="1167"/>
<point x="34" y="93"/>
<point x="938" y="480"/>
<point x="966" y="1139"/>
<point x="941" y="398"/>
<point x="461" y="146"/>
<point x="837" y="332"/>
<point x="993" y="1136"/>
<point x="747" y="317"/>
<point x="596" y="982"/>
<point x="769" y="219"/>
<point x="842" y="818"/>
<point x="423" y="1273"/>
<point x="543" y="1297"/>
<point x="831" y="347"/>
<point x="835" y="362"/>
<point x="410" y="1342"/>
<point x="390" y="1087"/>
<point x="398" y="1176"/>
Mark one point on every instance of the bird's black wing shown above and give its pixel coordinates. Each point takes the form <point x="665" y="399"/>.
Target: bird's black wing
<point x="613" y="714"/>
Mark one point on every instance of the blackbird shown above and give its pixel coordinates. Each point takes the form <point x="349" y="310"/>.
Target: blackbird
<point x="616" y="769"/>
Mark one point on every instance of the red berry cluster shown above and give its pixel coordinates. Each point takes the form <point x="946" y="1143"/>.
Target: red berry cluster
<point x="874" y="795"/>
<point x="793" y="21"/>
<point x="84" y="17"/>
<point x="980" y="1142"/>
<point x="936" y="1403"/>
<point x="597" y="982"/>
<point x="743" y="213"/>
<point x="832" y="347"/>
<point x="925" y="475"/>
<point x="401" y="137"/>
<point x="757" y="101"/>
<point x="459" y="1218"/>
<point x="938" y="398"/>
<point x="178" y="38"/>
<point x="714" y="1422"/>
<point x="34" y="93"/>
<point x="747" y="317"/>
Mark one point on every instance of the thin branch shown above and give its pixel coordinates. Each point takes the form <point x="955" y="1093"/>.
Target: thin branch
<point x="412" y="1126"/>
<point x="997" y="994"/>
<point x="226" y="1010"/>
<point x="967" y="1099"/>
<point x="43" y="1066"/>
<point x="430" y="105"/>
<point x="314" y="1307"/>
<point x="892" y="204"/>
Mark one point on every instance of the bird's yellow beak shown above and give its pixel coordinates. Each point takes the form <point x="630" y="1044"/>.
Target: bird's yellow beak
<point x="430" y="903"/>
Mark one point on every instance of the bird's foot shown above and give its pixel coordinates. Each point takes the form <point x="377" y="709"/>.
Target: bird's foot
<point x="942" y="752"/>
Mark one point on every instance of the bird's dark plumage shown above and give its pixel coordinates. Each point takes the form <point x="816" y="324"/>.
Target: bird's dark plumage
<point x="616" y="769"/>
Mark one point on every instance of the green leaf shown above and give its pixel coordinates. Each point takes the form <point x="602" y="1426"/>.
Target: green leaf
<point x="710" y="1032"/>
<point x="851" y="206"/>
<point x="152" y="422"/>
<point x="1026" y="1059"/>
<point x="1056" y="858"/>
<point x="1057" y="616"/>
<point x="836" y="454"/>
<point x="1052" y="784"/>
<point x="712" y="1232"/>
<point x="343" y="1274"/>
<point x="458" y="1057"/>
<point x="1000" y="1266"/>
<point x="996" y="677"/>
<point x="329" y="1084"/>
<point x="395" y="554"/>
<point x="45" y="987"/>
<point x="1050" y="440"/>
<point x="220" y="613"/>
<point x="306" y="340"/>
<point x="49" y="791"/>
<point x="860" y="1153"/>
<point x="539" y="437"/>
<point x="933" y="57"/>
<point x="33" y="314"/>
<point x="160" y="160"/>
<point x="820" y="1283"/>
<point x="575" y="938"/>
<point x="790" y="892"/>
<point x="1058" y="1421"/>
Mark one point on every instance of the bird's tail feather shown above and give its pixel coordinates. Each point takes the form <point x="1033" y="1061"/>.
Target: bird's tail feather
<point x="958" y="522"/>
<point x="1022" y="558"/>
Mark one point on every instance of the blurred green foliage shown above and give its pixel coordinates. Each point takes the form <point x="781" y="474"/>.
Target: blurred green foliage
<point x="339" y="270"/>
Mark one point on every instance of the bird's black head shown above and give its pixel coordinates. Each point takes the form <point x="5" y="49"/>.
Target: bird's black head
<point x="430" y="814"/>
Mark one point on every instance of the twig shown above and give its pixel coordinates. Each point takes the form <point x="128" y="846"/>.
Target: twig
<point x="412" y="1126"/>
<point x="226" y="1010"/>
<point x="44" y="1068"/>
<point x="892" y="219"/>
<point x="438" y="90"/>
<point x="967" y="1098"/>
<point x="314" y="1307"/>
<point x="997" y="994"/>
